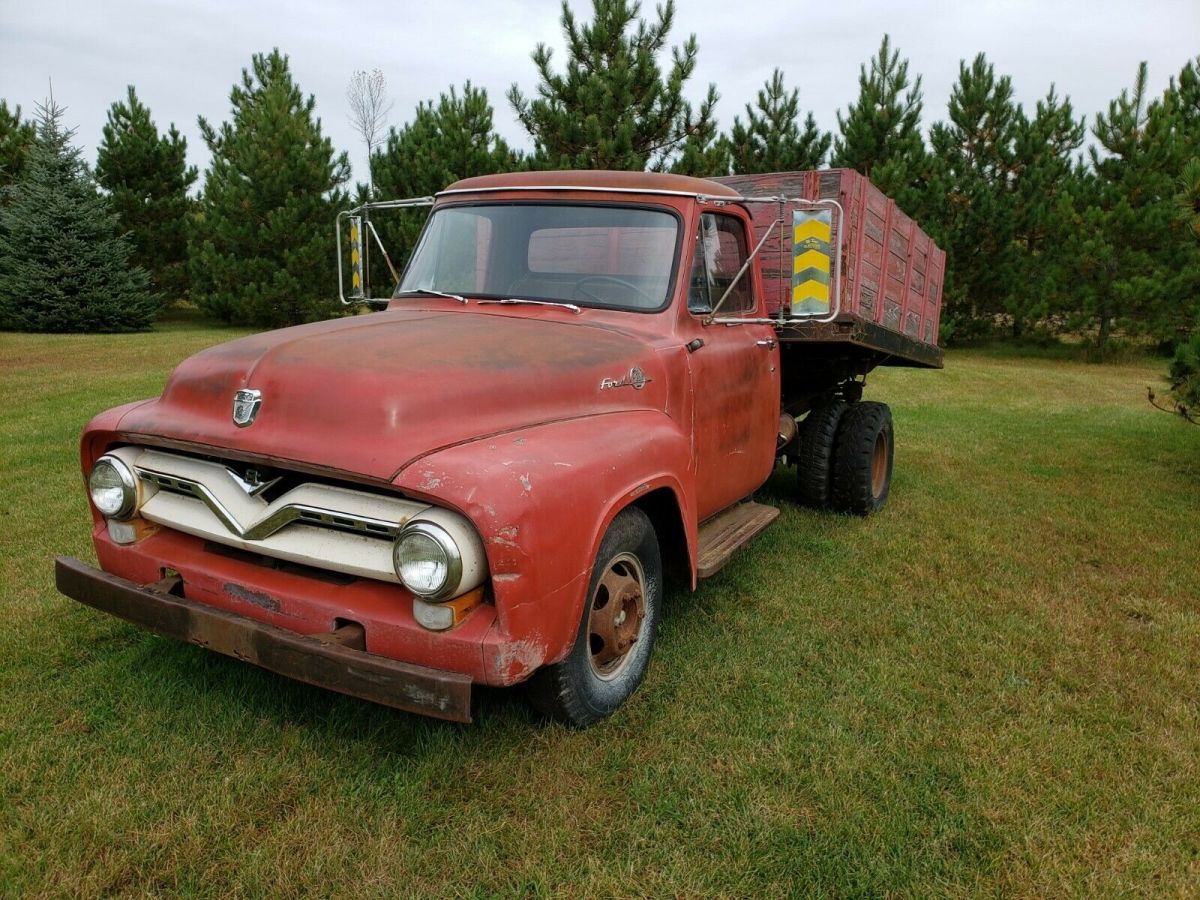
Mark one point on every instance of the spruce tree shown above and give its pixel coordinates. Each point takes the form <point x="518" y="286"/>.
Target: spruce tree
<point x="63" y="265"/>
<point x="443" y="143"/>
<point x="880" y="134"/>
<point x="261" y="252"/>
<point x="972" y="170"/>
<point x="613" y="107"/>
<point x="771" y="140"/>
<point x="147" y="177"/>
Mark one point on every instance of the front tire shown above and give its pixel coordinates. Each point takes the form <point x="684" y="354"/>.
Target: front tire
<point x="616" y="632"/>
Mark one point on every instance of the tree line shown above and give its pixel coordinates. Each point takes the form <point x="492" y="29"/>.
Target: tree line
<point x="1042" y="237"/>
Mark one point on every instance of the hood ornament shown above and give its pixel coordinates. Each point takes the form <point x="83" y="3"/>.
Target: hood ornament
<point x="246" y="403"/>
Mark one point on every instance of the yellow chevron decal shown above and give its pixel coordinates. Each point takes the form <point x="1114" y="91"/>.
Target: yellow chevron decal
<point x="810" y="290"/>
<point x="810" y="259"/>
<point x="813" y="228"/>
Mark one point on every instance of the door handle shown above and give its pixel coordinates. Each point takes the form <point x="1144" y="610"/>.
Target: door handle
<point x="769" y="343"/>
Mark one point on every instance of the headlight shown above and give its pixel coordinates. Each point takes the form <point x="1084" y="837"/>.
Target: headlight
<point x="428" y="561"/>
<point x="113" y="488"/>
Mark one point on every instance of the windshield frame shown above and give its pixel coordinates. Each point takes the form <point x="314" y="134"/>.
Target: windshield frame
<point x="672" y="278"/>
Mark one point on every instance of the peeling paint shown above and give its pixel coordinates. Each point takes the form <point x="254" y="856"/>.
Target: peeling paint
<point x="526" y="483"/>
<point x="515" y="658"/>
<point x="504" y="542"/>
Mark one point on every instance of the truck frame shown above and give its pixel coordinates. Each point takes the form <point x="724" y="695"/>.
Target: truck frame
<point x="575" y="388"/>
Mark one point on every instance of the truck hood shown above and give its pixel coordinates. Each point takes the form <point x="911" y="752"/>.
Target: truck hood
<point x="371" y="394"/>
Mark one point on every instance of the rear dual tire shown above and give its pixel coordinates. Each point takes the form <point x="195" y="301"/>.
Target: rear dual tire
<point x="845" y="453"/>
<point x="863" y="455"/>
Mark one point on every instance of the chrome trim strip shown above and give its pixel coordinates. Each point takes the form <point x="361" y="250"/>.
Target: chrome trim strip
<point x="293" y="512"/>
<point x="588" y="189"/>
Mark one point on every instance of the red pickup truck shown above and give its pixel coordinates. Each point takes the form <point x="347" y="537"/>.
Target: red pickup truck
<point x="576" y="386"/>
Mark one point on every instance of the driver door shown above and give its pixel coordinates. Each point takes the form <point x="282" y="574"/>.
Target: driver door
<point x="734" y="374"/>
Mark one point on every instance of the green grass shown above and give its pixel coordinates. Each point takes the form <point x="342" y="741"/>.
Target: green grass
<point x="991" y="688"/>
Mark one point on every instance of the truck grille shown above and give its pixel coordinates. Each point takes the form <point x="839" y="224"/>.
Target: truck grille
<point x="312" y="523"/>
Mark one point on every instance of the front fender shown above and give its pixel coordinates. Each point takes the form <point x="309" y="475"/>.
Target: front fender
<point x="542" y="498"/>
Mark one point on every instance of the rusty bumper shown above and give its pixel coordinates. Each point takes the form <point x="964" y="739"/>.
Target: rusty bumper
<point x="322" y="662"/>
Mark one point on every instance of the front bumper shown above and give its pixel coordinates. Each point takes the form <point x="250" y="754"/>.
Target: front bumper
<point x="314" y="659"/>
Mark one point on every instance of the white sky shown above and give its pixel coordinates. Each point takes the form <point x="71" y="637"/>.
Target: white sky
<point x="184" y="56"/>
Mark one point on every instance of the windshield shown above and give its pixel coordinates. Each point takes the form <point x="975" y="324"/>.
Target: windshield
<point x="601" y="256"/>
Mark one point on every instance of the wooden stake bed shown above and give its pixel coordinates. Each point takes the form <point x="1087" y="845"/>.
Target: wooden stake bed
<point x="882" y="275"/>
<point x="723" y="534"/>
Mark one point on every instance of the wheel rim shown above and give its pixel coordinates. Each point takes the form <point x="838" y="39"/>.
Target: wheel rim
<point x="618" y="608"/>
<point x="879" y="464"/>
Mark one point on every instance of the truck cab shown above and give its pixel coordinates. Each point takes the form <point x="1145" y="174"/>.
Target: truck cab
<point x="577" y="384"/>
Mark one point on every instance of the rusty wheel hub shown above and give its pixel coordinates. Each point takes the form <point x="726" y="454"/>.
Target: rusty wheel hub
<point x="615" y="618"/>
<point x="879" y="465"/>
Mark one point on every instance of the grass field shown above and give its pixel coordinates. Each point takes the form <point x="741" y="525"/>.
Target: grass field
<point x="991" y="688"/>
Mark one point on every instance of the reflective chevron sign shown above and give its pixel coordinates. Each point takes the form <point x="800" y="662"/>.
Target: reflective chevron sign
<point x="811" y="233"/>
<point x="356" y="258"/>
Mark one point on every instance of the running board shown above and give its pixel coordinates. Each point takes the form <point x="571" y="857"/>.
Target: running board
<point x="727" y="532"/>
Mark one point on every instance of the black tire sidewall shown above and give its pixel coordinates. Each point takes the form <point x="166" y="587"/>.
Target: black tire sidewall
<point x="571" y="690"/>
<point x="854" y="449"/>
<point x="815" y="453"/>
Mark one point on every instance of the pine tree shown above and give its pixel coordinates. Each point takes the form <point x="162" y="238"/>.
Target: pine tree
<point x="1184" y="377"/>
<point x="1182" y="102"/>
<point x="261" y="253"/>
<point x="613" y="107"/>
<point x="1119" y="239"/>
<point x="1179" y="121"/>
<point x="771" y="140"/>
<point x="880" y="134"/>
<point x="63" y="266"/>
<point x="972" y="173"/>
<point x="147" y="177"/>
<point x="16" y="137"/>
<point x="443" y="143"/>
<point x="1044" y="169"/>
<point x="705" y="151"/>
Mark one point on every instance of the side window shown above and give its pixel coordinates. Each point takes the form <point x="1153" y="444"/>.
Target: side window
<point x="719" y="255"/>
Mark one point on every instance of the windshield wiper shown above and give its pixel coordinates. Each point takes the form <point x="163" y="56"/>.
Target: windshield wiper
<point x="459" y="297"/>
<point x="510" y="301"/>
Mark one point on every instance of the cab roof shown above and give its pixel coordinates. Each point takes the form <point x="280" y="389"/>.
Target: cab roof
<point x="596" y="179"/>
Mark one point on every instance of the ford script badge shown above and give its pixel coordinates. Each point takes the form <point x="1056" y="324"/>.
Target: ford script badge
<point x="245" y="407"/>
<point x="636" y="379"/>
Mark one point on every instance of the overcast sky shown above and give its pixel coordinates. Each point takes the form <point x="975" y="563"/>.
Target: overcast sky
<point x="183" y="57"/>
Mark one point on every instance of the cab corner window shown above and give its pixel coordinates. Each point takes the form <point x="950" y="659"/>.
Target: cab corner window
<point x="720" y="253"/>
